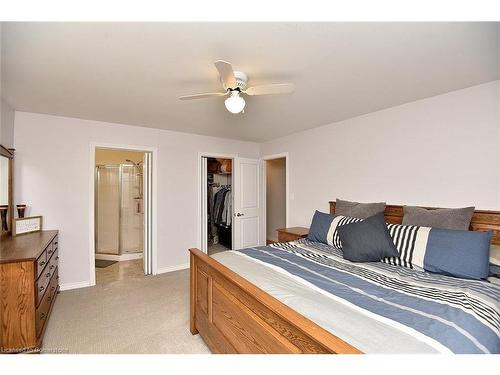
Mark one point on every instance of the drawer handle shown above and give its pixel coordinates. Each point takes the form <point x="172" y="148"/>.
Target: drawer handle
<point x="41" y="288"/>
<point x="42" y="263"/>
<point x="55" y="243"/>
<point x="52" y="267"/>
<point x="47" y="274"/>
<point x="42" y="316"/>
<point x="53" y="288"/>
<point x="57" y="257"/>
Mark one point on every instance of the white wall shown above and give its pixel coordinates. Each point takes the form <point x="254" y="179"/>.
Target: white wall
<point x="52" y="178"/>
<point x="441" y="151"/>
<point x="7" y="115"/>
<point x="6" y="111"/>
<point x="275" y="197"/>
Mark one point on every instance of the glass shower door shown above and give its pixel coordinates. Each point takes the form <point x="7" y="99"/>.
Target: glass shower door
<point x="108" y="210"/>
<point x="132" y="219"/>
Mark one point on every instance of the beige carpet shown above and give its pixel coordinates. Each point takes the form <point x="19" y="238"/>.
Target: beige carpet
<point x="136" y="315"/>
<point x="217" y="248"/>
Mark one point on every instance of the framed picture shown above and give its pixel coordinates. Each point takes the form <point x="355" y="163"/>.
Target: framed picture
<point x="27" y="225"/>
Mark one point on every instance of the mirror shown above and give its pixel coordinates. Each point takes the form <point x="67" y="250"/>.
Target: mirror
<point x="6" y="206"/>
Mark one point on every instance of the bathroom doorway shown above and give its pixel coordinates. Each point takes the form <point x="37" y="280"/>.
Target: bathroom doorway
<point x="120" y="189"/>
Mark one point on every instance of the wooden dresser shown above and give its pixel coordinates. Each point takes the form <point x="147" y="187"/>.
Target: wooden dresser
<point x="29" y="283"/>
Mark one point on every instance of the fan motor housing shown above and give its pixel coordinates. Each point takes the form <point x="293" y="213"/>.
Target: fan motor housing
<point x="241" y="80"/>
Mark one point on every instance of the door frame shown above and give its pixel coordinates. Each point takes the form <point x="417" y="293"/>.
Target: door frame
<point x="264" y="190"/>
<point x="201" y="219"/>
<point x="154" y="205"/>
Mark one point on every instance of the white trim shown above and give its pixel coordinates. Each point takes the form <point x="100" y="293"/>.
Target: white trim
<point x="154" y="250"/>
<point x="81" y="284"/>
<point x="264" y="190"/>
<point x="173" y="268"/>
<point x="119" y="258"/>
<point x="201" y="219"/>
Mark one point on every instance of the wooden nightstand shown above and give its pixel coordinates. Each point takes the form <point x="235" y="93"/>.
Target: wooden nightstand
<point x="292" y="234"/>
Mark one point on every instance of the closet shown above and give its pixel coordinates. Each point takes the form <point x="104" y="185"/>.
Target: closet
<point x="219" y="205"/>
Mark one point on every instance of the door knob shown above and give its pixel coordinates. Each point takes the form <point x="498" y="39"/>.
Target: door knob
<point x="239" y="214"/>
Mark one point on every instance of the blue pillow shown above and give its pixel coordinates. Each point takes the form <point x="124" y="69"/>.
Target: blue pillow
<point x="320" y="226"/>
<point x="324" y="228"/>
<point x="459" y="253"/>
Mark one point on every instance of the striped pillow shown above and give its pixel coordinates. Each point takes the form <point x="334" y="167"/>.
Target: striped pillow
<point x="324" y="228"/>
<point x="458" y="253"/>
<point x="332" y="237"/>
<point x="411" y="242"/>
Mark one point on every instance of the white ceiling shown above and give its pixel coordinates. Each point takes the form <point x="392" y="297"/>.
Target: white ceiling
<point x="132" y="73"/>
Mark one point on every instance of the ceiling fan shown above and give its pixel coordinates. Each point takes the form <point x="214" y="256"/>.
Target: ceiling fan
<point x="235" y="83"/>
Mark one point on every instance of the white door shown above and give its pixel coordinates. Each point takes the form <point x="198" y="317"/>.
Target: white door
<point x="247" y="203"/>
<point x="204" y="206"/>
<point x="147" y="177"/>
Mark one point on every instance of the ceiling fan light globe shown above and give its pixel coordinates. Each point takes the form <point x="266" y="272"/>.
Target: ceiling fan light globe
<point x="235" y="103"/>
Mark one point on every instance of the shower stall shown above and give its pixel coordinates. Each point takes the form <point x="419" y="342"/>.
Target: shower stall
<point x="119" y="223"/>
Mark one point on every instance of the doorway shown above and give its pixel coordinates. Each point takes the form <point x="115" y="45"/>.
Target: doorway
<point x="276" y="196"/>
<point x="218" y="204"/>
<point x="122" y="206"/>
<point x="242" y="210"/>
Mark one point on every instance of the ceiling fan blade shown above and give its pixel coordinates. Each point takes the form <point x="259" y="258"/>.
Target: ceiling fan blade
<point x="278" y="88"/>
<point x="226" y="73"/>
<point x="202" y="96"/>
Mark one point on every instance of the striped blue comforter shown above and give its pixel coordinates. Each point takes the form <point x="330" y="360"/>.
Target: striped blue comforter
<point x="461" y="315"/>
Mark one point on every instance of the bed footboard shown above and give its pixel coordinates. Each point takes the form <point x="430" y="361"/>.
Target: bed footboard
<point x="234" y="316"/>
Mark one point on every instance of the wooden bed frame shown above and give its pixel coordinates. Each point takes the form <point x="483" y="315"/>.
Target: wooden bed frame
<point x="234" y="316"/>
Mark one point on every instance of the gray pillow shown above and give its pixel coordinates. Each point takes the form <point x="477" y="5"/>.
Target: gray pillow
<point x="443" y="218"/>
<point x="358" y="210"/>
<point x="367" y="241"/>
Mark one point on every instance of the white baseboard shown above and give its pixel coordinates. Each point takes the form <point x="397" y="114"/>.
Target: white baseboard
<point x="69" y="286"/>
<point x="172" y="268"/>
<point x="119" y="258"/>
<point x="84" y="284"/>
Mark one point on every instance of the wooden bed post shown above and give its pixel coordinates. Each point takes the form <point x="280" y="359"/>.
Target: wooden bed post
<point x="192" y="289"/>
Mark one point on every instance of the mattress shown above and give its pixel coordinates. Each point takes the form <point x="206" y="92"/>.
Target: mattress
<point x="376" y="307"/>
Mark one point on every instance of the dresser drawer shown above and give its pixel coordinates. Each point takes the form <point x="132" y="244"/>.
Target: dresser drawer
<point x="54" y="282"/>
<point x="42" y="311"/>
<point x="285" y="237"/>
<point x="53" y="262"/>
<point x="41" y="262"/>
<point x="292" y="234"/>
<point x="42" y="284"/>
<point x="51" y="248"/>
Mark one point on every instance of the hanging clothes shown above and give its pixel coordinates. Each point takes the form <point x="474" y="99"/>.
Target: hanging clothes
<point x="212" y="229"/>
<point x="223" y="206"/>
<point x="226" y="213"/>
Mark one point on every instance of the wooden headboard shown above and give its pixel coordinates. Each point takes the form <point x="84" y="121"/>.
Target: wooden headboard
<point x="481" y="220"/>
